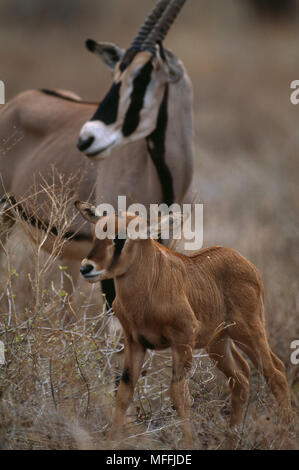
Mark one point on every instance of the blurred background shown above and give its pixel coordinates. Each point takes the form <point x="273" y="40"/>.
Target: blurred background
<point x="242" y="56"/>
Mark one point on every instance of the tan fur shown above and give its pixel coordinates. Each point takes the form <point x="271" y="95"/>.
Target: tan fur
<point x="213" y="299"/>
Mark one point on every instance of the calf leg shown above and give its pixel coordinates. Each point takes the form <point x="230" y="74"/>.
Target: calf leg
<point x="253" y="341"/>
<point x="231" y="363"/>
<point x="179" y="388"/>
<point x="134" y="356"/>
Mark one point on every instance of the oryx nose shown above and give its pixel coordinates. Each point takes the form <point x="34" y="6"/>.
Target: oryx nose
<point x="83" y="144"/>
<point x="86" y="269"/>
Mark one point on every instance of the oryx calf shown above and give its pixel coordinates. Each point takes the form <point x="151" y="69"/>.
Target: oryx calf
<point x="212" y="299"/>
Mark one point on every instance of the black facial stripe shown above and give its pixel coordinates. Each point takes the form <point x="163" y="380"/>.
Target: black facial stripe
<point x="140" y="85"/>
<point x="107" y="110"/>
<point x="156" y="148"/>
<point x="118" y="244"/>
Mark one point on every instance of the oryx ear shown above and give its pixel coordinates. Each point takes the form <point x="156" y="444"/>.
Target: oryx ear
<point x="88" y="211"/>
<point x="173" y="67"/>
<point x="108" y="52"/>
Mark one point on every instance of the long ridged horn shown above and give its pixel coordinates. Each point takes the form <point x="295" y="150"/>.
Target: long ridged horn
<point x="162" y="27"/>
<point x="149" y="23"/>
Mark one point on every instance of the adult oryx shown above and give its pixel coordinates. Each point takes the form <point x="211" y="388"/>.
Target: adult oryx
<point x="145" y="121"/>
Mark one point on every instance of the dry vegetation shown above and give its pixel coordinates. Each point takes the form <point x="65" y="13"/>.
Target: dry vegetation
<point x="58" y="383"/>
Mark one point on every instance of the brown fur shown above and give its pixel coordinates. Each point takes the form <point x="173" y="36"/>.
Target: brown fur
<point x="213" y="299"/>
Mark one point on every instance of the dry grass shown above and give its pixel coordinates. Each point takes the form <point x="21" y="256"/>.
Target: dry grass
<point x="58" y="381"/>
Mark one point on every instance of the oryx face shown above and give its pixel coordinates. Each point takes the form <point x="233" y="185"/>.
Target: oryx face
<point x="130" y="109"/>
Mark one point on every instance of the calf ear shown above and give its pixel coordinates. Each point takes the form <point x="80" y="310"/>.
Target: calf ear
<point x="109" y="53"/>
<point x="88" y="211"/>
<point x="168" y="226"/>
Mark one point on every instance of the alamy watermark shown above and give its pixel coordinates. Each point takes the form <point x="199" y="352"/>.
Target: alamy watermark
<point x="158" y="221"/>
<point x="295" y="94"/>
<point x="2" y="92"/>
<point x="295" y="354"/>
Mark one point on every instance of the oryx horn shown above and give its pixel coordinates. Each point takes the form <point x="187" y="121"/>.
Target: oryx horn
<point x="161" y="28"/>
<point x="149" y="23"/>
